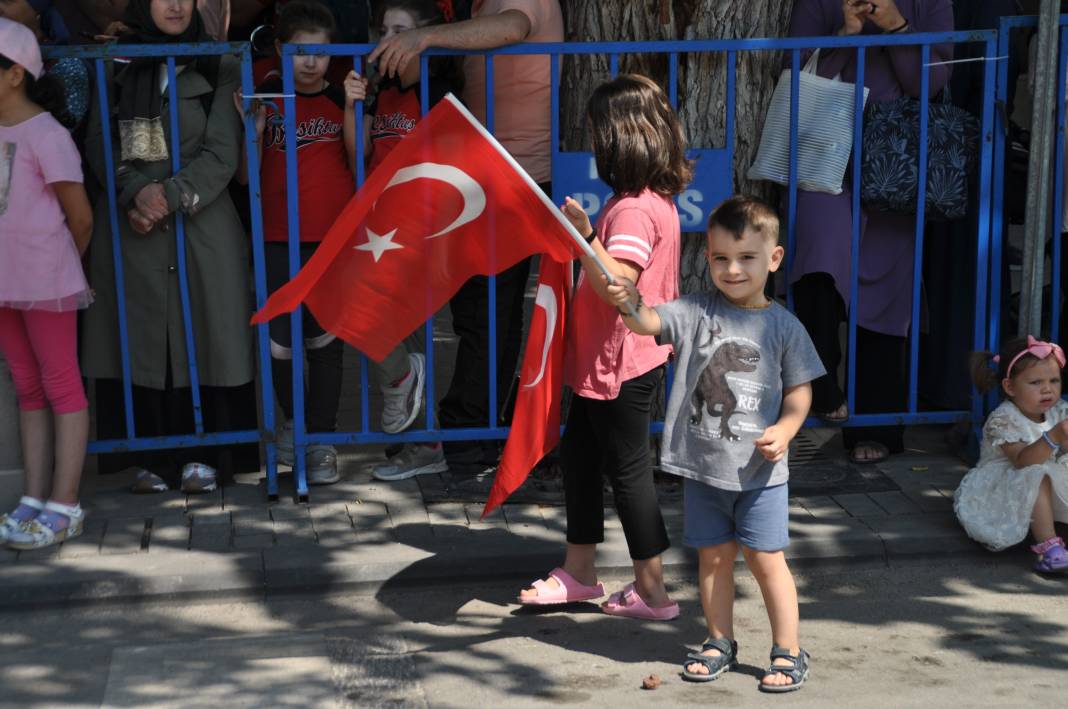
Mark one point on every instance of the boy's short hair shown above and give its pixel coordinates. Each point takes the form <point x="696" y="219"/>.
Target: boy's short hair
<point x="744" y="212"/>
<point x="304" y="16"/>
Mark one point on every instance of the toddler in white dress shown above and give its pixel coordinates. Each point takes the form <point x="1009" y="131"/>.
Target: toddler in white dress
<point x="1021" y="480"/>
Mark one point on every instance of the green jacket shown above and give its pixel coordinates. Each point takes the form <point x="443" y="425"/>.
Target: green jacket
<point x="220" y="290"/>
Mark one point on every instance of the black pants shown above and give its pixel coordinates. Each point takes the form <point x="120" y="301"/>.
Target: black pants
<point x="882" y="381"/>
<point x="466" y="404"/>
<point x="169" y="412"/>
<point x="611" y="438"/>
<point x="322" y="351"/>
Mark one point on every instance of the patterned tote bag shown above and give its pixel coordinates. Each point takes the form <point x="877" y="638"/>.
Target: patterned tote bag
<point x="891" y="157"/>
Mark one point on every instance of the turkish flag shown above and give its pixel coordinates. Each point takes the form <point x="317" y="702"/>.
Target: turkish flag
<point x="536" y="419"/>
<point x="446" y="204"/>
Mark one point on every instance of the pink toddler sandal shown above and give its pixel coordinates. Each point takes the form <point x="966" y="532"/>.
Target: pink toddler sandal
<point x="628" y="604"/>
<point x="1052" y="556"/>
<point x="569" y="590"/>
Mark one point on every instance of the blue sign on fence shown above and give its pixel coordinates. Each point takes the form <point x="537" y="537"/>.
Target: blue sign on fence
<point x="575" y="175"/>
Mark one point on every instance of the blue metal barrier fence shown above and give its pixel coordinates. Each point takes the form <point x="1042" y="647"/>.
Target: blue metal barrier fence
<point x="989" y="209"/>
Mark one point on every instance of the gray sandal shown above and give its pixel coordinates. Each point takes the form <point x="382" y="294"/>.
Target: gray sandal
<point x="797" y="671"/>
<point x="716" y="664"/>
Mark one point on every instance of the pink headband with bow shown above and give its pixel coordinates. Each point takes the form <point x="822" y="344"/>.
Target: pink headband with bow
<point x="1039" y="349"/>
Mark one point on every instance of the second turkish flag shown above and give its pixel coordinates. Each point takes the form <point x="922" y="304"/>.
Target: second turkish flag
<point x="448" y="203"/>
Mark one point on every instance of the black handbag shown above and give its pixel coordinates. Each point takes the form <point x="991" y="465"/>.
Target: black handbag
<point x="890" y="161"/>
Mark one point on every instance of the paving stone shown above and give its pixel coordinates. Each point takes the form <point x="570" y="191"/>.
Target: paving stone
<point x="928" y="498"/>
<point x="554" y="517"/>
<point x="252" y="522"/>
<point x="211" y="532"/>
<point x="333" y="527"/>
<point x="821" y="506"/>
<point x="371" y="521"/>
<point x="87" y="543"/>
<point x="8" y="556"/>
<point x="495" y="519"/>
<point x="203" y="502"/>
<point x="254" y="541"/>
<point x="894" y="503"/>
<point x="170" y="532"/>
<point x="523" y="519"/>
<point x="244" y="496"/>
<point x="44" y="554"/>
<point x="859" y="505"/>
<point x="123" y="535"/>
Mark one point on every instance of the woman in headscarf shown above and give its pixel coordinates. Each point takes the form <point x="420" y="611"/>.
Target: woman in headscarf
<point x="46" y="22"/>
<point x="148" y="195"/>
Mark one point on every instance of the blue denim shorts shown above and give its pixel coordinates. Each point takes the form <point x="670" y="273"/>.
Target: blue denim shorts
<point x="757" y="518"/>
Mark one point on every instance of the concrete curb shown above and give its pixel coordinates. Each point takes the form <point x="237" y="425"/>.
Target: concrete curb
<point x="292" y="569"/>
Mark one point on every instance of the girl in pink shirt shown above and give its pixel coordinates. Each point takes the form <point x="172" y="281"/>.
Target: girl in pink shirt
<point x="639" y="147"/>
<point x="45" y="224"/>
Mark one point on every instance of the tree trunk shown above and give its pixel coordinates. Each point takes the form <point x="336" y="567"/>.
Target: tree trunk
<point x="702" y="78"/>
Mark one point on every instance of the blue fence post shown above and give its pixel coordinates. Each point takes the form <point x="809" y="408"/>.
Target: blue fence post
<point x="987" y="217"/>
<point x="854" y="258"/>
<point x="248" y="87"/>
<point x="921" y="217"/>
<point x="296" y="330"/>
<point x="183" y="269"/>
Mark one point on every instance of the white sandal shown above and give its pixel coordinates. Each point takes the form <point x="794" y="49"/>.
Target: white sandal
<point x="37" y="533"/>
<point x="9" y="524"/>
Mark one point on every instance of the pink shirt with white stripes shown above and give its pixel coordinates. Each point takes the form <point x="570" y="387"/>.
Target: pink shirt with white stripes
<point x="601" y="352"/>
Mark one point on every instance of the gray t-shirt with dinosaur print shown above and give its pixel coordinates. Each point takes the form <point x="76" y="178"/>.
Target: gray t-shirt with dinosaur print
<point x="731" y="366"/>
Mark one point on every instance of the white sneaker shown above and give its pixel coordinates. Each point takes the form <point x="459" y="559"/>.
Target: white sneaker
<point x="415" y="459"/>
<point x="321" y="465"/>
<point x="283" y="445"/>
<point x="402" y="402"/>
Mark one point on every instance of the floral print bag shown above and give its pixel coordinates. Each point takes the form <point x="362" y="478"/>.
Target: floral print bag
<point x="890" y="159"/>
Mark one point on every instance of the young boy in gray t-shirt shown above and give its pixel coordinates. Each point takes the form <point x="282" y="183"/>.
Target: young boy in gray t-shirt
<point x="743" y="365"/>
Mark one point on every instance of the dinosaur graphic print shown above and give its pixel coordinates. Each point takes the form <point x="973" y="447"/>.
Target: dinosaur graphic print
<point x="713" y="395"/>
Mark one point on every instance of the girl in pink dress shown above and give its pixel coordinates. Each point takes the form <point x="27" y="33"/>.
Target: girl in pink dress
<point x="45" y="224"/>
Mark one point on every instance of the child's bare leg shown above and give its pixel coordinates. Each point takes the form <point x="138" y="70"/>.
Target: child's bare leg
<point x="72" y="433"/>
<point x="579" y="562"/>
<point x="715" y="573"/>
<point x="35" y="428"/>
<point x="780" y="598"/>
<point x="1042" y="514"/>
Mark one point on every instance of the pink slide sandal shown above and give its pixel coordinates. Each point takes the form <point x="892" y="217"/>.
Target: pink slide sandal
<point x="628" y="604"/>
<point x="569" y="591"/>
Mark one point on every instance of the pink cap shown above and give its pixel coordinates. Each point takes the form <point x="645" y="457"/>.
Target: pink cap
<point x="18" y="44"/>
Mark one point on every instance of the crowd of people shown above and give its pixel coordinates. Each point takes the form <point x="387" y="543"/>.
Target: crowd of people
<point x="56" y="260"/>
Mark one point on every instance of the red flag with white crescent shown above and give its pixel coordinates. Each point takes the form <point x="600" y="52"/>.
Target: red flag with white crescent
<point x="446" y="204"/>
<point x="536" y="420"/>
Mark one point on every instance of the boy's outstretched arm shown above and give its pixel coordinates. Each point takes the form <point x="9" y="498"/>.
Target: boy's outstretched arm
<point x="796" y="401"/>
<point x="624" y="292"/>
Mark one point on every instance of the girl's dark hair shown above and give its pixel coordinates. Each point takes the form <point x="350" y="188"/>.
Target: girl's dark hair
<point x="304" y="16"/>
<point x="426" y="13"/>
<point x="47" y="92"/>
<point x="987" y="378"/>
<point x="638" y="141"/>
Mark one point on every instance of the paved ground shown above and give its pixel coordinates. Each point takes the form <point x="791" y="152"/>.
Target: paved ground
<point x="364" y="534"/>
<point x="953" y="633"/>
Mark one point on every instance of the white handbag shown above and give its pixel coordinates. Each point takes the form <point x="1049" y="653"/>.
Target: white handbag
<point x="824" y="132"/>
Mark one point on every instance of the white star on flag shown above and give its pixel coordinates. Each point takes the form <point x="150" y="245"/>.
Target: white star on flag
<point x="378" y="244"/>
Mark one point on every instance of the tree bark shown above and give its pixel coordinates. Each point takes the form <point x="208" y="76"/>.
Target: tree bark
<point x="702" y="78"/>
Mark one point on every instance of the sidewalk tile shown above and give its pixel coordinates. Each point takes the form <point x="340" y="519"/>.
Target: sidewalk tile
<point x="858" y="505"/>
<point x="895" y="503"/>
<point x="123" y="535"/>
<point x="86" y="544"/>
<point x="244" y="496"/>
<point x="203" y="502"/>
<point x="292" y="525"/>
<point x="333" y="527"/>
<point x="211" y="531"/>
<point x="821" y="506"/>
<point x="8" y="556"/>
<point x="495" y="519"/>
<point x="39" y="555"/>
<point x="523" y="519"/>
<point x="555" y="517"/>
<point x="371" y="521"/>
<point x="254" y="541"/>
<point x="170" y="532"/>
<point x="252" y="522"/>
<point x="928" y="499"/>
